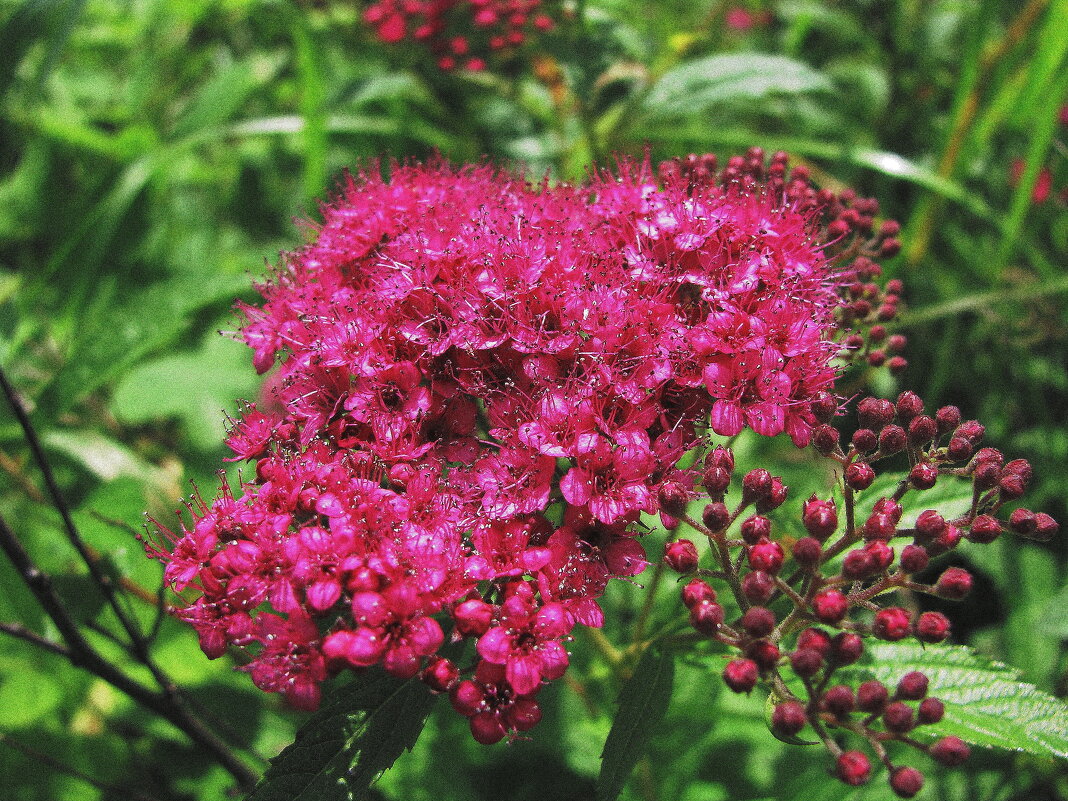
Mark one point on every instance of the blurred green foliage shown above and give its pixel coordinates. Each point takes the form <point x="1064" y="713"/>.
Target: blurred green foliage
<point x="156" y="155"/>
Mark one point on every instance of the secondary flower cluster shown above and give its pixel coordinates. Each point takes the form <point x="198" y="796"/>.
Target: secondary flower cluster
<point x="460" y="33"/>
<point x="820" y="591"/>
<point x="483" y="385"/>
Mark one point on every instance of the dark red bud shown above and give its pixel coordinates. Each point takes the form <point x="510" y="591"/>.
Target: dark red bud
<point x="865" y="440"/>
<point x="906" y="781"/>
<point x="806" y="662"/>
<point x="950" y="751"/>
<point x="872" y="696"/>
<point x="758" y="621"/>
<point x="932" y="627"/>
<point x="788" y="718"/>
<point x="716" y="516"/>
<point x="908" y="406"/>
<point x="839" y="700"/>
<point x="984" y="529"/>
<point x="807" y="552"/>
<point x="697" y="591"/>
<point x="758" y="587"/>
<point x="853" y="768"/>
<point x="755" y="528"/>
<point x="741" y="675"/>
<point x="874" y="413"/>
<point x="859" y="475"/>
<point x="912" y="686"/>
<point x="681" y="556"/>
<point x="955" y="584"/>
<point x="923" y="475"/>
<point x="830" y="606"/>
<point x="914" y="558"/>
<point x="947" y="419"/>
<point x="891" y="624"/>
<point x="930" y="710"/>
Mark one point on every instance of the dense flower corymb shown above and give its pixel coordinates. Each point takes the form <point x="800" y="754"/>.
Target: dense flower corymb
<point x="484" y="383"/>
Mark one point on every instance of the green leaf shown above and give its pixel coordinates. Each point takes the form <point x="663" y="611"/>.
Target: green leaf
<point x="354" y="737"/>
<point x="986" y="703"/>
<point x="642" y="704"/>
<point x="195" y="387"/>
<point x="695" y="86"/>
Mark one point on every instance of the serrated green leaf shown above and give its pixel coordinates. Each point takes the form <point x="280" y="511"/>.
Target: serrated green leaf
<point x="642" y="704"/>
<point x="357" y="734"/>
<point x="698" y="85"/>
<point x="986" y="703"/>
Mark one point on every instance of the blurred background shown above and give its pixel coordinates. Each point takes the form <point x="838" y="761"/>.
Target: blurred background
<point x="157" y="155"/>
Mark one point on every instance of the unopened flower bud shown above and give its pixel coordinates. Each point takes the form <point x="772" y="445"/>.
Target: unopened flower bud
<point x="806" y="662"/>
<point x="984" y="529"/>
<point x="830" y="606"/>
<point x="807" y="552"/>
<point x="816" y="639"/>
<point x="766" y="556"/>
<point x="971" y="430"/>
<point x="950" y="751"/>
<point x="716" y="516"/>
<point x="857" y="565"/>
<point x="892" y="440"/>
<point x="891" y="624"/>
<point x="681" y="556"/>
<point x="775" y="498"/>
<point x="932" y="627"/>
<point x="879" y="527"/>
<point x="473" y="617"/>
<point x="899" y="718"/>
<point x="788" y="718"/>
<point x="923" y="475"/>
<point x="440" y="674"/>
<point x="865" y="440"/>
<point x="824" y="407"/>
<point x="859" y="475"/>
<point x="912" y="686"/>
<point x="758" y="587"/>
<point x="908" y="406"/>
<point x="706" y="616"/>
<point x="741" y="675"/>
<point x="756" y="484"/>
<point x="906" y="781"/>
<point x="930" y="524"/>
<point x="955" y="584"/>
<point x="839" y="700"/>
<point x="758" y="621"/>
<point x="914" y="558"/>
<point x="872" y="696"/>
<point x="820" y="518"/>
<point x="764" y="653"/>
<point x="755" y="528"/>
<point x="930" y="710"/>
<point x="947" y="419"/>
<point x="697" y="591"/>
<point x="922" y="430"/>
<point x="959" y="449"/>
<point x="874" y="413"/>
<point x="825" y="439"/>
<point x="853" y="768"/>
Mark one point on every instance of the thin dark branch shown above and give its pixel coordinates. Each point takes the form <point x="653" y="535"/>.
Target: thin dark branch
<point x="23" y="633"/>
<point x="99" y="576"/>
<point x="82" y="654"/>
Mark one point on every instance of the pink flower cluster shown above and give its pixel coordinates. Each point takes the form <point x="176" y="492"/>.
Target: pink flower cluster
<point x="460" y="33"/>
<point x="483" y="385"/>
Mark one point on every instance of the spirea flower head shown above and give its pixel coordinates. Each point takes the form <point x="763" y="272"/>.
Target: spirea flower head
<point x="483" y="384"/>
<point x="460" y="33"/>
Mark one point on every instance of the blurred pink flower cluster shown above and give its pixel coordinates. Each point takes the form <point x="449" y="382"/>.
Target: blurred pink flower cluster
<point x="459" y="33"/>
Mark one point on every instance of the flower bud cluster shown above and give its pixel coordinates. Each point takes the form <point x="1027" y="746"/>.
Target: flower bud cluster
<point x="482" y="385"/>
<point x="806" y="603"/>
<point x="460" y="33"/>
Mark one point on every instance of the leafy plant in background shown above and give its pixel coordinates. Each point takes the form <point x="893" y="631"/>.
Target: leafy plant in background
<point x="182" y="171"/>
